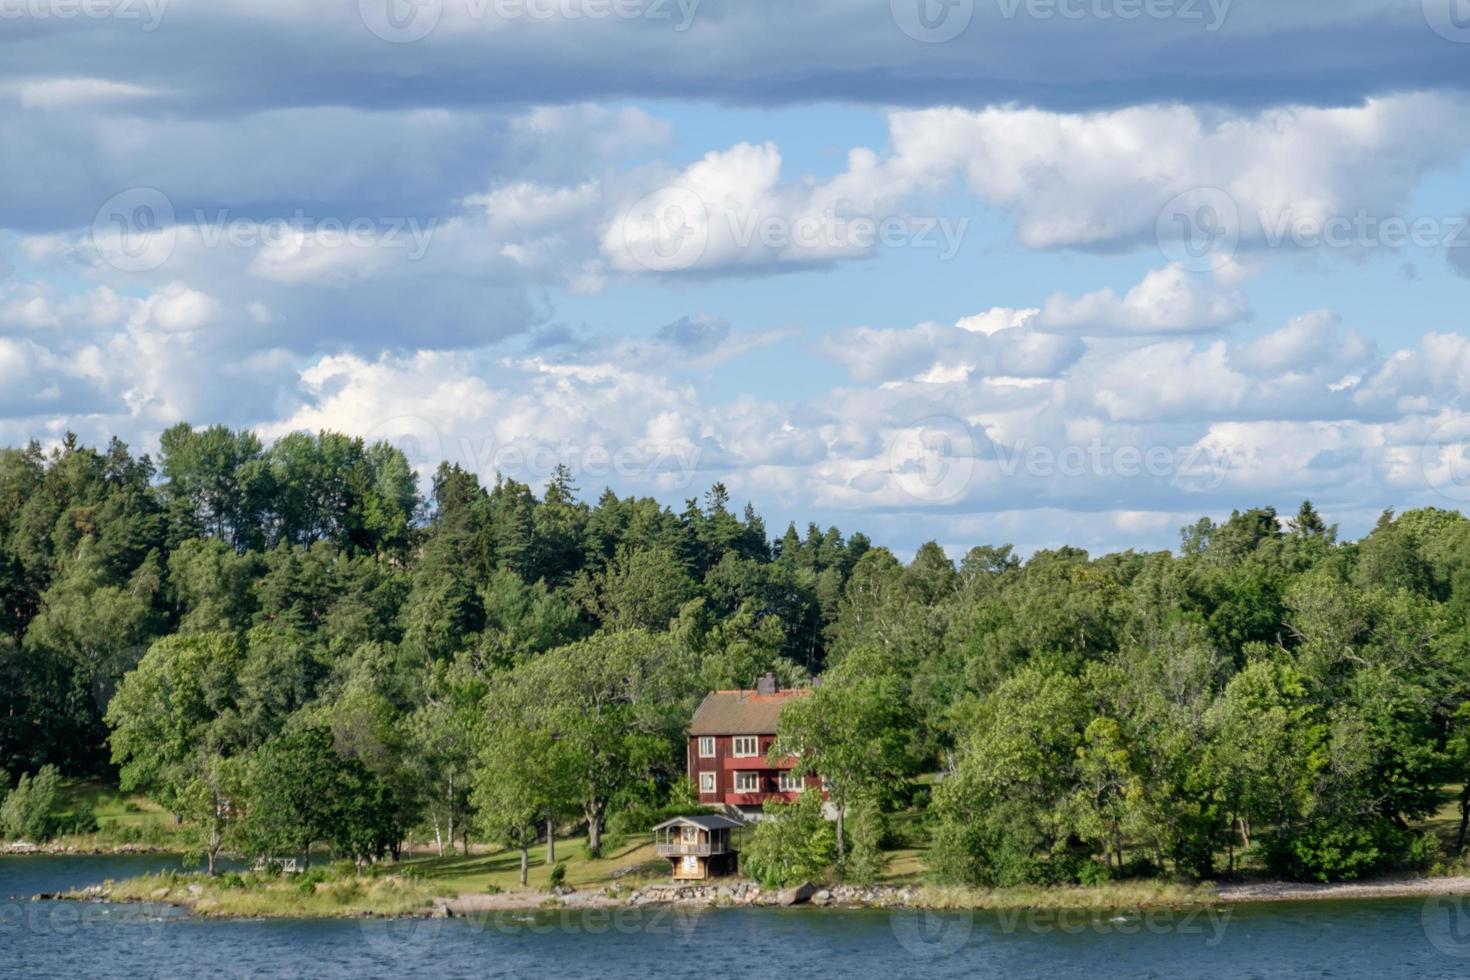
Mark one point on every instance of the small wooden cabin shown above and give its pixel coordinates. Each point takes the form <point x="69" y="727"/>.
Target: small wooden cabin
<point x="698" y="848"/>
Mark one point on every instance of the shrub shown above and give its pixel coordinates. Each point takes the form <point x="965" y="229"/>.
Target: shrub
<point x="558" y="874"/>
<point x="1093" y="872"/>
<point x="26" y="811"/>
<point x="82" y="820"/>
<point x="794" y="843"/>
<point x="867" y="830"/>
<point x="958" y="856"/>
<point x="1323" y="851"/>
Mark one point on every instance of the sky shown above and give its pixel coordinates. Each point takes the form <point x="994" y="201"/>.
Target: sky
<point x="1036" y="272"/>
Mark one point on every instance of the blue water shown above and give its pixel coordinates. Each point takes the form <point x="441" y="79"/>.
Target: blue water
<point x="1378" y="940"/>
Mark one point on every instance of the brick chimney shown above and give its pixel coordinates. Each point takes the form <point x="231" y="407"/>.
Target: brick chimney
<point x="767" y="684"/>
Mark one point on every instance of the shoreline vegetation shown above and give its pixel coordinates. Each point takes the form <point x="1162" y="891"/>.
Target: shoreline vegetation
<point x="395" y="895"/>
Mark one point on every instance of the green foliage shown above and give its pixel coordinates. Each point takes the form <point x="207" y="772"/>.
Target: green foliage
<point x="298" y="790"/>
<point x="27" y="811"/>
<point x="558" y="875"/>
<point x="867" y="831"/>
<point x="286" y="646"/>
<point x="1322" y="851"/>
<point x="791" y="845"/>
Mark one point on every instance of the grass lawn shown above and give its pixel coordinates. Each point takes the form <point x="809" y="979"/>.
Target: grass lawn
<point x="122" y="818"/>
<point x="113" y="807"/>
<point x="904" y="867"/>
<point x="1445" y="822"/>
<point x="634" y="862"/>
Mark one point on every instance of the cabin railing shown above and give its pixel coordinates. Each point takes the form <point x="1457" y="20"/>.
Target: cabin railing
<point x="681" y="849"/>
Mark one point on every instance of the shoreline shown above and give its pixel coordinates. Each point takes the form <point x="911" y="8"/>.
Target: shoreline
<point x="26" y="849"/>
<point x="196" y="899"/>
<point x="1293" y="891"/>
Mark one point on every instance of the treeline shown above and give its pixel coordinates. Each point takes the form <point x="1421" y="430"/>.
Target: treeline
<point x="294" y="645"/>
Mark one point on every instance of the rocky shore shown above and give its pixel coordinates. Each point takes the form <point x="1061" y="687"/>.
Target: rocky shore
<point x="725" y="895"/>
<point x="24" y="848"/>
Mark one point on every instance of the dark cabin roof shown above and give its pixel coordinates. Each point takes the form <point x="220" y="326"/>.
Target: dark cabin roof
<point x="741" y="712"/>
<point x="703" y="822"/>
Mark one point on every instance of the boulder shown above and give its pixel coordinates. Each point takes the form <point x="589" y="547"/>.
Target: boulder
<point x="822" y="897"/>
<point x="797" y="895"/>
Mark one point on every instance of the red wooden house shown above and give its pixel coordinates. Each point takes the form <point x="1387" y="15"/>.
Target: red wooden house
<point x="729" y="737"/>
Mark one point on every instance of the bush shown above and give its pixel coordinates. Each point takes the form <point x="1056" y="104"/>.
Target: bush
<point x="866" y="831"/>
<point x="963" y="854"/>
<point x="1093" y="872"/>
<point x="1323" y="851"/>
<point x="793" y="844"/>
<point x="26" y="812"/>
<point x="82" y="820"/>
<point x="958" y="856"/>
<point x="638" y="819"/>
<point x="558" y="874"/>
<point x="124" y="833"/>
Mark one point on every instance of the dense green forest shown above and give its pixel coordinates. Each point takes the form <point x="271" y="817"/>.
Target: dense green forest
<point x="294" y="644"/>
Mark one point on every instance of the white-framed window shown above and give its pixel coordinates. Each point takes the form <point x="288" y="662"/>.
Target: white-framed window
<point x="747" y="782"/>
<point x="791" y="782"/>
<point x="747" y="745"/>
<point x="706" y="746"/>
<point x="706" y="782"/>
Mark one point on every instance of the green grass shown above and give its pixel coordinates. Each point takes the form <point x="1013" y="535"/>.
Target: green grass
<point x="477" y="872"/>
<point x="112" y="806"/>
<point x="1111" y="895"/>
<point x="252" y="896"/>
<point x="122" y="818"/>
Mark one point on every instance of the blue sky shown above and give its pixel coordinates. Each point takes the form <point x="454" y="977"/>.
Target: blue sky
<point x="1029" y="271"/>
